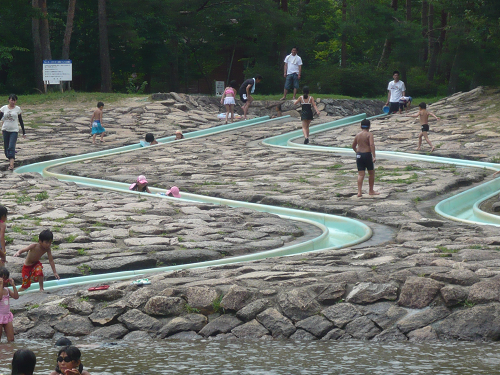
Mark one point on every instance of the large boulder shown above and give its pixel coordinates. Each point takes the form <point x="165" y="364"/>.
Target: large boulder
<point x="341" y="314"/>
<point x="236" y="298"/>
<point x="364" y="293"/>
<point x="136" y="320"/>
<point x="250" y="311"/>
<point x="74" y="325"/>
<point x="114" y="332"/>
<point x="422" y="318"/>
<point x="298" y="304"/>
<point x="250" y="330"/>
<point x="277" y="324"/>
<point x="317" y="325"/>
<point x="165" y="306"/>
<point x="418" y="292"/>
<point x="223" y="324"/>
<point x="106" y="316"/>
<point x="485" y="291"/>
<point x="189" y="322"/>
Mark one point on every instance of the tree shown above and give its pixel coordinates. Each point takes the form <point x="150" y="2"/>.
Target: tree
<point x="106" y="85"/>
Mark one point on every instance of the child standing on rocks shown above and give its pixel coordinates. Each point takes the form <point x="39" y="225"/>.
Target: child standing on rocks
<point x="6" y="316"/>
<point x="32" y="268"/>
<point x="228" y="99"/>
<point x="364" y="147"/>
<point x="3" y="227"/>
<point x="95" y="123"/>
<point x="424" y="114"/>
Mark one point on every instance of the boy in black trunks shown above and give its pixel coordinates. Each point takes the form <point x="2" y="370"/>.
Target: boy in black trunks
<point x="246" y="89"/>
<point x="364" y="147"/>
<point x="424" y="114"/>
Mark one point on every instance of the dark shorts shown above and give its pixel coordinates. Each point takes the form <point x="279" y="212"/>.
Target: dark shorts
<point x="364" y="161"/>
<point x="425" y="127"/>
<point x="292" y="81"/>
<point x="402" y="105"/>
<point x="243" y="98"/>
<point x="394" y="107"/>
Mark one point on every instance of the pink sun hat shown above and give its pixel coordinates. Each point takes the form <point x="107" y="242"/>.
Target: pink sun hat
<point x="142" y="179"/>
<point x="174" y="190"/>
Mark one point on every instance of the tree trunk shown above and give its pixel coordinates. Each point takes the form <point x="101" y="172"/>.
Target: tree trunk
<point x="37" y="47"/>
<point x="174" y="66"/>
<point x="394" y="5"/>
<point x="104" y="48"/>
<point x="343" y="48"/>
<point x="44" y="31"/>
<point x="455" y="70"/>
<point x="284" y="5"/>
<point x="385" y="53"/>
<point x="425" y="49"/>
<point x="433" y="46"/>
<point x="408" y="10"/>
<point x="69" y="29"/>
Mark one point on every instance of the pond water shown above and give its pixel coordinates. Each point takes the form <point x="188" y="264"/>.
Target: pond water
<point x="269" y="357"/>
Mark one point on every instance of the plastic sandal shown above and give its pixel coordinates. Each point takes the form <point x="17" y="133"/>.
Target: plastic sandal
<point x="102" y="287"/>
<point x="141" y="282"/>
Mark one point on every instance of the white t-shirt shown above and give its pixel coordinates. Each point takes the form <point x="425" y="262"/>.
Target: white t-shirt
<point x="293" y="64"/>
<point x="396" y="89"/>
<point x="10" y="118"/>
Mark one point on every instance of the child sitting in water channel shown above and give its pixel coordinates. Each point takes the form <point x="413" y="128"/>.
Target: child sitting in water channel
<point x="141" y="185"/>
<point x="149" y="140"/>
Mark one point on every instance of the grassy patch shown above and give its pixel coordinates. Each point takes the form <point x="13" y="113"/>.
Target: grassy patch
<point x="81" y="252"/>
<point x="444" y="249"/>
<point x="191" y="310"/>
<point x="31" y="307"/>
<point x="71" y="238"/>
<point x="42" y="196"/>
<point x="216" y="305"/>
<point x="85" y="269"/>
<point x="23" y="199"/>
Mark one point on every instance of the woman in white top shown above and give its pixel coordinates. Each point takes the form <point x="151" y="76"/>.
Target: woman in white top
<point x="11" y="116"/>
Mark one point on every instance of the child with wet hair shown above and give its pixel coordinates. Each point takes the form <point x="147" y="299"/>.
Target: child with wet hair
<point x="6" y="316"/>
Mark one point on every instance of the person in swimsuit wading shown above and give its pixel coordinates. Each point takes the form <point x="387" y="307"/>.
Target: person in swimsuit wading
<point x="364" y="147"/>
<point x="306" y="115"/>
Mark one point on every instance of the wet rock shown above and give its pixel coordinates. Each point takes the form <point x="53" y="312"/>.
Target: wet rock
<point x="78" y="306"/>
<point x="369" y="292"/>
<point x="165" y="306"/>
<point x="418" y="292"/>
<point x="453" y="294"/>
<point x="201" y="298"/>
<point x="106" y="316"/>
<point x="190" y="335"/>
<point x="384" y="314"/>
<point x="140" y="336"/>
<point x="298" y="304"/>
<point x="250" y="311"/>
<point x="189" y="322"/>
<point x="223" y="324"/>
<point x="329" y="293"/>
<point x="22" y="324"/>
<point x="485" y="291"/>
<point x="110" y="294"/>
<point x="475" y="323"/>
<point x="341" y="314"/>
<point x="302" y="335"/>
<point x="236" y="298"/>
<point x="47" y="313"/>
<point x="136" y="320"/>
<point x="250" y="330"/>
<point x="459" y="277"/>
<point x="74" y="325"/>
<point x="139" y="297"/>
<point x="422" y="318"/>
<point x="423" y="334"/>
<point x="125" y="263"/>
<point x="391" y="334"/>
<point x="335" y="334"/>
<point x="115" y="331"/>
<point x="277" y="324"/>
<point x="317" y="325"/>
<point x="41" y="331"/>
<point x="362" y="328"/>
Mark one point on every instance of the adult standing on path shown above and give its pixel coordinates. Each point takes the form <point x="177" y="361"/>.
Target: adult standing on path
<point x="292" y="73"/>
<point x="11" y="116"/>
<point x="396" y="90"/>
<point x="246" y="89"/>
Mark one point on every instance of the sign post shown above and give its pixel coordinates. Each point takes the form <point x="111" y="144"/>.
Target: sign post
<point x="219" y="88"/>
<point x="57" y="71"/>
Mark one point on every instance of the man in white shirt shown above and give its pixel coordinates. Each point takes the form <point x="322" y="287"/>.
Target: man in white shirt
<point x="396" y="90"/>
<point x="292" y="73"/>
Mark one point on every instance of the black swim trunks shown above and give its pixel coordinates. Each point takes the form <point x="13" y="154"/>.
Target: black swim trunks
<point x="394" y="107"/>
<point x="364" y="161"/>
<point x="243" y="98"/>
<point x="425" y="127"/>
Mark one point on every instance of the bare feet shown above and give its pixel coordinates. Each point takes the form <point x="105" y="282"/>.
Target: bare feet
<point x="418" y="148"/>
<point x="360" y="195"/>
<point x="11" y="168"/>
<point x="374" y="193"/>
<point x="432" y="149"/>
<point x="293" y="98"/>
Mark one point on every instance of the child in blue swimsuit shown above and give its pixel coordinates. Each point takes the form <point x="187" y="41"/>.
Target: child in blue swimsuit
<point x="95" y="123"/>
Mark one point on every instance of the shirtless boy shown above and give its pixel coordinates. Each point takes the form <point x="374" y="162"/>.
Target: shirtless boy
<point x="32" y="268"/>
<point x="424" y="114"/>
<point x="364" y="147"/>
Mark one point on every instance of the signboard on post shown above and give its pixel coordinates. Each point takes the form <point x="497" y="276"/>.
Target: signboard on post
<point x="219" y="88"/>
<point x="55" y="71"/>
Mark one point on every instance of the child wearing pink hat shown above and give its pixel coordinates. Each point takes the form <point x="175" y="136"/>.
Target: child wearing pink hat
<point x="173" y="192"/>
<point x="141" y="185"/>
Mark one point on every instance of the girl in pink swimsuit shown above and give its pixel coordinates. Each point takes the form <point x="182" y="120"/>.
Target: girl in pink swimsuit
<point x="228" y="99"/>
<point x="6" y="316"/>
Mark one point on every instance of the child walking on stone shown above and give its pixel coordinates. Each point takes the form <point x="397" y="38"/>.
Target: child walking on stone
<point x="307" y="114"/>
<point x="32" y="268"/>
<point x="95" y="123"/>
<point x="3" y="227"/>
<point x="6" y="316"/>
<point x="364" y="147"/>
<point x="424" y="114"/>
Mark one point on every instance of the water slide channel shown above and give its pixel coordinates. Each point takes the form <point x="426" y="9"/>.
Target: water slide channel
<point x="337" y="231"/>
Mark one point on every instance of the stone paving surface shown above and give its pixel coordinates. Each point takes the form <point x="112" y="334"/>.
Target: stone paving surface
<point x="435" y="279"/>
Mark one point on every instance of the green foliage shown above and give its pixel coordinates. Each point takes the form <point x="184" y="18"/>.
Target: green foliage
<point x="216" y="305"/>
<point x="191" y="310"/>
<point x="31" y="307"/>
<point x="81" y="252"/>
<point x="9" y="240"/>
<point x="84" y="269"/>
<point x="71" y="238"/>
<point x="42" y="196"/>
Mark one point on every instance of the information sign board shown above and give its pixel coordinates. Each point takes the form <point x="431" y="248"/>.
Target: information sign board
<point x="55" y="71"/>
<point x="219" y="88"/>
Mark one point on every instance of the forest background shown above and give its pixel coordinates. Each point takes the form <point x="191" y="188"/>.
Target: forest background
<point x="349" y="47"/>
